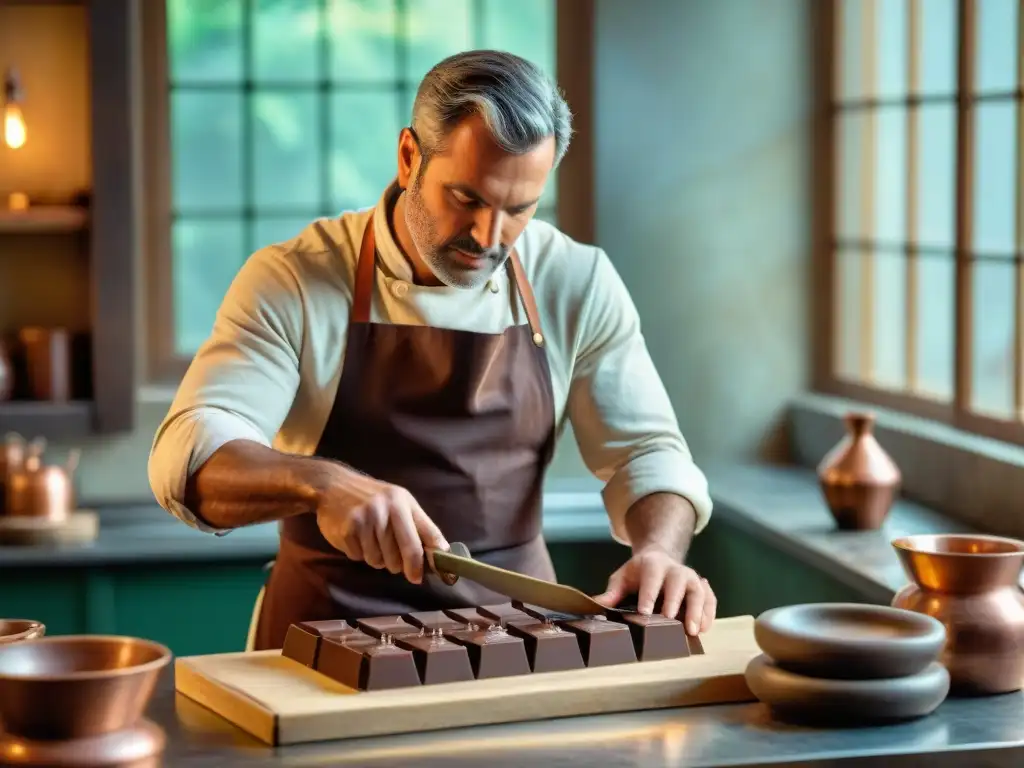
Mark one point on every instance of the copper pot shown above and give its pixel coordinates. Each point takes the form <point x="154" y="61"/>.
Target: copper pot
<point x="970" y="584"/>
<point x="41" y="490"/>
<point x="858" y="478"/>
<point x="17" y="630"/>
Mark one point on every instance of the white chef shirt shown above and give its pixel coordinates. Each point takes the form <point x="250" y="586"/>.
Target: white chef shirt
<point x="269" y="371"/>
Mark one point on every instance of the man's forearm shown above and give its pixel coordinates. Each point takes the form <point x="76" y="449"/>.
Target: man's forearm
<point x="665" y="520"/>
<point x="245" y="483"/>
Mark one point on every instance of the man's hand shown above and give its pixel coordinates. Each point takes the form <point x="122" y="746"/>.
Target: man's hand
<point x="380" y="524"/>
<point x="652" y="571"/>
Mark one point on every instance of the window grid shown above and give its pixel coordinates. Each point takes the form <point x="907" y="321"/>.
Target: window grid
<point x="402" y="87"/>
<point x="960" y="407"/>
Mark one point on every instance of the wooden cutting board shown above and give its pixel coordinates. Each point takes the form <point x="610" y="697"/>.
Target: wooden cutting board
<point x="281" y="702"/>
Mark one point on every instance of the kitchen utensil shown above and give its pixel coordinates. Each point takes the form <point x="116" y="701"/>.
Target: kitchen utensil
<point x="457" y="563"/>
<point x="42" y="490"/>
<point x="970" y="584"/>
<point x="79" y="700"/>
<point x="47" y="362"/>
<point x="849" y="641"/>
<point x="803" y="699"/>
<point x="858" y="478"/>
<point x="16" y="630"/>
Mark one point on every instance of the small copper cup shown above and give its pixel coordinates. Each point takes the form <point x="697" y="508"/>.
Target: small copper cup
<point x="16" y="630"/>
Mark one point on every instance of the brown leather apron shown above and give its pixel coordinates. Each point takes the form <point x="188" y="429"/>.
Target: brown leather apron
<point x="464" y="421"/>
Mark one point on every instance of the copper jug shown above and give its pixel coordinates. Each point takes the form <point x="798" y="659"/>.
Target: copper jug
<point x="858" y="478"/>
<point x="971" y="584"/>
<point x="12" y="455"/>
<point x="42" y="490"/>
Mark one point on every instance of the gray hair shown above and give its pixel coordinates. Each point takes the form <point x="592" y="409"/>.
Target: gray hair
<point x="519" y="103"/>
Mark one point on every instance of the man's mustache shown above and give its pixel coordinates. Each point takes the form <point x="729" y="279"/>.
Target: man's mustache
<point x="473" y="248"/>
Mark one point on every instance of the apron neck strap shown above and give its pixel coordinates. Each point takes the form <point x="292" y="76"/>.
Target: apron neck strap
<point x="366" y="268"/>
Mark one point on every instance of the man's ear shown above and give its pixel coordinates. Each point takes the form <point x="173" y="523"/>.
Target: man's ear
<point x="408" y="157"/>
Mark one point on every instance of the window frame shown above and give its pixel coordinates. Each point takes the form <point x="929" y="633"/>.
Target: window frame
<point x="573" y="205"/>
<point x="827" y="292"/>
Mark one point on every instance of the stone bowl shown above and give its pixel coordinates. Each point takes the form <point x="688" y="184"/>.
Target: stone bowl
<point x="77" y="686"/>
<point x="16" y="630"/>
<point x="849" y="641"/>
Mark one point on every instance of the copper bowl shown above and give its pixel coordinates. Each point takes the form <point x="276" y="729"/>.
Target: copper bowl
<point x="77" y="686"/>
<point x="16" y="630"/>
<point x="960" y="563"/>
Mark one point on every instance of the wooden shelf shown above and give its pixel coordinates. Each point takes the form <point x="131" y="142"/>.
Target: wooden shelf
<point x="54" y="421"/>
<point x="43" y="219"/>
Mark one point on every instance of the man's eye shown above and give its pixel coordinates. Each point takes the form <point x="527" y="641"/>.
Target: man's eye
<point x="463" y="200"/>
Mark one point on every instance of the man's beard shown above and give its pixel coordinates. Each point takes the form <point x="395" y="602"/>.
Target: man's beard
<point x="440" y="258"/>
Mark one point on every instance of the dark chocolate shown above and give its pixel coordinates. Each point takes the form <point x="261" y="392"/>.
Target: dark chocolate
<point x="602" y="642"/>
<point x="378" y="626"/>
<point x="438" y="660"/>
<point x="302" y="642"/>
<point x="471" y="616"/>
<point x="655" y="637"/>
<point x="493" y="652"/>
<point x="549" y="648"/>
<point x="434" y="620"/>
<point x="695" y="645"/>
<point x="506" y="614"/>
<point x="370" y="664"/>
<point x="543" y="614"/>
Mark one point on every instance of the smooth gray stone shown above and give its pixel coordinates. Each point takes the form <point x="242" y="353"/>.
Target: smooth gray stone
<point x="849" y="641"/>
<point x="846" y="703"/>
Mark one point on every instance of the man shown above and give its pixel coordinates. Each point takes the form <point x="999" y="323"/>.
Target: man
<point x="395" y="379"/>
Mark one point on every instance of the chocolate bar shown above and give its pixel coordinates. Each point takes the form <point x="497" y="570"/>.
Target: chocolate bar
<point x="493" y="652"/>
<point x="438" y="660"/>
<point x="655" y="637"/>
<point x="367" y="664"/>
<point x="602" y="642"/>
<point x="471" y="616"/>
<point x="434" y="620"/>
<point x="302" y="642"/>
<point x="378" y="626"/>
<point x="549" y="648"/>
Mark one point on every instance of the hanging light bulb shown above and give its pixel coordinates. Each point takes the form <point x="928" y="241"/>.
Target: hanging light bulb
<point x="15" y="133"/>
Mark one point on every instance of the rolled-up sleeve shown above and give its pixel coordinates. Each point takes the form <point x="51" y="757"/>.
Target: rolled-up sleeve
<point x="621" y="415"/>
<point x="240" y="384"/>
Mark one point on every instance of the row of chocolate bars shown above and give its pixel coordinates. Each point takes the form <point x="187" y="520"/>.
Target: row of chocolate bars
<point x="462" y="644"/>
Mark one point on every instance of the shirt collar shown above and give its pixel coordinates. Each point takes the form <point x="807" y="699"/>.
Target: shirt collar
<point x="391" y="258"/>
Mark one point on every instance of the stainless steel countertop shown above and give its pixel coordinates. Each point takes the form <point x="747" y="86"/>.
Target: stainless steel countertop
<point x="963" y="732"/>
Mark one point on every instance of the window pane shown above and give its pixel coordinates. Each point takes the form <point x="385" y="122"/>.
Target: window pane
<point x="362" y="40"/>
<point x="851" y="164"/>
<point x="936" y="175"/>
<point x="996" y="45"/>
<point x="436" y="29"/>
<point x="363" y="161"/>
<point x="525" y="28"/>
<point x="892" y="48"/>
<point x="936" y="299"/>
<point x="995" y="158"/>
<point x="286" y="149"/>
<point x="853" y="39"/>
<point x="890" y="319"/>
<point x="268" y="231"/>
<point x="891" y="175"/>
<point x="206" y="141"/>
<point x="994" y="286"/>
<point x="204" y="40"/>
<point x="285" y="40"/>
<point x="849" y="325"/>
<point x="938" y="49"/>
<point x="207" y="255"/>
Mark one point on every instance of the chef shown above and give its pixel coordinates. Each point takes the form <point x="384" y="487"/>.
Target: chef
<point x="395" y="379"/>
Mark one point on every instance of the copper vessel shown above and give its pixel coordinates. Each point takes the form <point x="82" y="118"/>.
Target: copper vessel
<point x="858" y="478"/>
<point x="17" y="630"/>
<point x="41" y="490"/>
<point x="971" y="584"/>
<point x="12" y="456"/>
<point x="6" y="372"/>
<point x="79" y="700"/>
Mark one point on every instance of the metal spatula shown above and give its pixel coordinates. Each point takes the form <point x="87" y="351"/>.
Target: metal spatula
<point x="457" y="563"/>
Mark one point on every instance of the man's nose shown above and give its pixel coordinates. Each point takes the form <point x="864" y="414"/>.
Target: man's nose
<point x="487" y="228"/>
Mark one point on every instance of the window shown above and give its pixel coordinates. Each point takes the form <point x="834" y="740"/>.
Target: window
<point x="280" y="111"/>
<point x="926" y="271"/>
